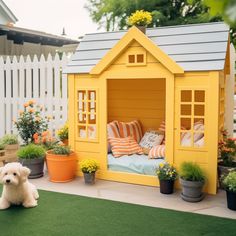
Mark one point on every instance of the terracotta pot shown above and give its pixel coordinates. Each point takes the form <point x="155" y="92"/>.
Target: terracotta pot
<point x="65" y="142"/>
<point x="61" y="168"/>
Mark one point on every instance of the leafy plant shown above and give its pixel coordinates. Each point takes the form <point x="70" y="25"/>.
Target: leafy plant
<point x="227" y="149"/>
<point x="31" y="151"/>
<point x="9" y="139"/>
<point x="89" y="166"/>
<point x="63" y="132"/>
<point x="61" y="150"/>
<point x="2" y="146"/>
<point x="230" y="181"/>
<point x="166" y="172"/>
<point x="31" y="122"/>
<point x="191" y="172"/>
<point x="140" y="18"/>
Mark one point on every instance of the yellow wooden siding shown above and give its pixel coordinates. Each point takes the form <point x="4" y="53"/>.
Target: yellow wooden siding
<point x="137" y="99"/>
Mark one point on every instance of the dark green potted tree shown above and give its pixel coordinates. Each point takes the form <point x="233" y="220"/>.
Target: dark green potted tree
<point x="229" y="183"/>
<point x="32" y="156"/>
<point x="167" y="175"/>
<point x="192" y="180"/>
<point x="227" y="152"/>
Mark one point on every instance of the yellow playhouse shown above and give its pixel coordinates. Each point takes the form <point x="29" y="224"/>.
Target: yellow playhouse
<point x="168" y="84"/>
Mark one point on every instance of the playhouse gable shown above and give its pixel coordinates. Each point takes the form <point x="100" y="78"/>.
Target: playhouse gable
<point x="136" y="57"/>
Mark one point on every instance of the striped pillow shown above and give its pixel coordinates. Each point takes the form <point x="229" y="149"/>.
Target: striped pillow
<point x="112" y="132"/>
<point x="162" y="126"/>
<point x="132" y="129"/>
<point x="157" y="151"/>
<point x="124" y="146"/>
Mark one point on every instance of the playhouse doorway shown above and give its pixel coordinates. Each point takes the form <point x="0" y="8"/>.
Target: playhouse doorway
<point x="135" y="99"/>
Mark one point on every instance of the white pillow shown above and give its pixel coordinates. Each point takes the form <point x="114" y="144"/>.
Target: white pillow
<point x="199" y="143"/>
<point x="151" y="138"/>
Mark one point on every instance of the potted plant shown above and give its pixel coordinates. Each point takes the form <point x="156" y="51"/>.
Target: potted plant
<point x="167" y="175"/>
<point x="32" y="156"/>
<point x="230" y="187"/>
<point x="61" y="164"/>
<point x="192" y="180"/>
<point x="227" y="152"/>
<point x="11" y="145"/>
<point x="63" y="134"/>
<point x="30" y="122"/>
<point x="140" y="19"/>
<point x="89" y="168"/>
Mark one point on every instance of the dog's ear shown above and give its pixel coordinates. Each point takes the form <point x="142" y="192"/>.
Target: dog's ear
<point x="24" y="173"/>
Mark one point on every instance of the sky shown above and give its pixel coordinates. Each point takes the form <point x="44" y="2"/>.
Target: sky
<point x="51" y="16"/>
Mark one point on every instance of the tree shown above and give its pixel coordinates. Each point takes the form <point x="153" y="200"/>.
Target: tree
<point x="113" y="14"/>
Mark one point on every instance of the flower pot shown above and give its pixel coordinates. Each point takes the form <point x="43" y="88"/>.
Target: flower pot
<point x="65" y="142"/>
<point x="35" y="165"/>
<point x="142" y="29"/>
<point x="224" y="171"/>
<point x="231" y="200"/>
<point x="192" y="190"/>
<point x="61" y="168"/>
<point x="10" y="152"/>
<point x="89" y="178"/>
<point x="166" y="186"/>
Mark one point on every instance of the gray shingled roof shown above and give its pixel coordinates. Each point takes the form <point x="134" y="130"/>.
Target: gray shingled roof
<point x="196" y="47"/>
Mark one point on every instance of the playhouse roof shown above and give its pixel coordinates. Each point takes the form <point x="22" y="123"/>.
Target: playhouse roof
<point x="195" y="47"/>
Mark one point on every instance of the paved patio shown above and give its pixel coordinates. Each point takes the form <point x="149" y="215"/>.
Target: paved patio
<point x="143" y="195"/>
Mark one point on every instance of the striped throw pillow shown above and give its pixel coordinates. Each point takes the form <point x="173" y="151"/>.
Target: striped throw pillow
<point x="132" y="129"/>
<point x="163" y="126"/>
<point x="157" y="151"/>
<point x="112" y="132"/>
<point x="124" y="146"/>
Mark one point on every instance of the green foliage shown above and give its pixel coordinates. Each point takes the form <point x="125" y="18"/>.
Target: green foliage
<point x="166" y="172"/>
<point x="191" y="172"/>
<point x="113" y="14"/>
<point x="9" y="139"/>
<point x="49" y="145"/>
<point x="230" y="181"/>
<point x="31" y="151"/>
<point x="61" y="150"/>
<point x="2" y="146"/>
<point x="30" y="122"/>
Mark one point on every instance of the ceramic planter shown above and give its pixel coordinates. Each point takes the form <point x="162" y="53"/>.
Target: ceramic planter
<point x="192" y="190"/>
<point x="231" y="200"/>
<point x="35" y="165"/>
<point x="89" y="178"/>
<point x="224" y="171"/>
<point x="166" y="186"/>
<point x="61" y="168"/>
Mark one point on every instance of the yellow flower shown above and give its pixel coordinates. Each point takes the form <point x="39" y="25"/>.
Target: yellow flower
<point x="161" y="165"/>
<point x="31" y="102"/>
<point x="140" y="18"/>
<point x="26" y="104"/>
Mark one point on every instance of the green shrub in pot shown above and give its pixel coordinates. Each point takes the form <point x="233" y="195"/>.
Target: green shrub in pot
<point x="32" y="156"/>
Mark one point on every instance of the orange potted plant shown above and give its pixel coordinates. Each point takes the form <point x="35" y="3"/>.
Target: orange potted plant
<point x="61" y="164"/>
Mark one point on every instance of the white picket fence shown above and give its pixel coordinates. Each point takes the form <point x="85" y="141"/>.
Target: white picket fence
<point x="41" y="80"/>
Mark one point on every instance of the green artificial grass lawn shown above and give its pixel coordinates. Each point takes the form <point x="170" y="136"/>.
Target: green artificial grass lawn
<point x="63" y="214"/>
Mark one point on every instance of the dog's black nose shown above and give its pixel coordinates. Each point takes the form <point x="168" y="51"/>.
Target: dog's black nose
<point x="8" y="181"/>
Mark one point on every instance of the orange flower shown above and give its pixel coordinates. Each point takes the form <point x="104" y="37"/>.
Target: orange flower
<point x="26" y="104"/>
<point x="37" y="118"/>
<point x="14" y="121"/>
<point x="45" y="133"/>
<point x="36" y="138"/>
<point x="49" y="117"/>
<point x="31" y="110"/>
<point x="20" y="112"/>
<point x="31" y="102"/>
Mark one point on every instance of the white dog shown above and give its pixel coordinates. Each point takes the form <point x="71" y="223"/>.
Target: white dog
<point x="16" y="187"/>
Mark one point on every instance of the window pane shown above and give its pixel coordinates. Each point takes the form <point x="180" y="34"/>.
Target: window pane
<point x="200" y="141"/>
<point x="185" y="123"/>
<point x="186" y="96"/>
<point x="92" y="118"/>
<point x="198" y="124"/>
<point x="131" y="58"/>
<point x="81" y="118"/>
<point x="92" y="131"/>
<point x="185" y="139"/>
<point x="82" y="131"/>
<point x="92" y="95"/>
<point x="199" y="110"/>
<point x="199" y="96"/>
<point x="81" y="95"/>
<point x="186" y="110"/>
<point x="140" y="58"/>
<point x="92" y="105"/>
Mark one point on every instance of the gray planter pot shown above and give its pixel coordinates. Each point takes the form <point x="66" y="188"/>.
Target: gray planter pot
<point x="192" y="190"/>
<point x="89" y="178"/>
<point x="223" y="171"/>
<point x="35" y="165"/>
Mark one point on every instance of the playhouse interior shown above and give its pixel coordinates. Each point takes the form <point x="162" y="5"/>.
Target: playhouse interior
<point x="144" y="100"/>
